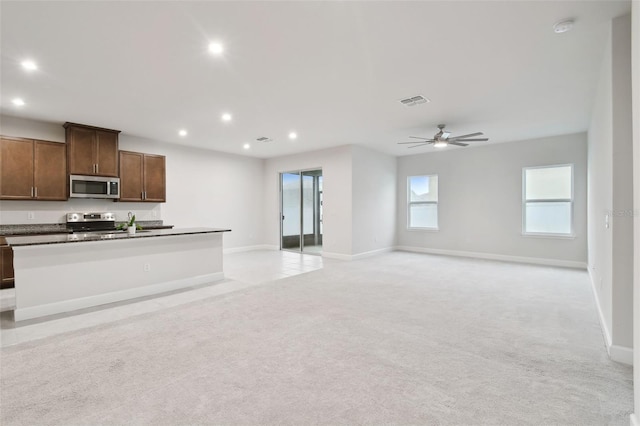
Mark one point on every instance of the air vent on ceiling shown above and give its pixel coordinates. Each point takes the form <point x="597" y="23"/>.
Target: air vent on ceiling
<point x="414" y="100"/>
<point x="263" y="139"/>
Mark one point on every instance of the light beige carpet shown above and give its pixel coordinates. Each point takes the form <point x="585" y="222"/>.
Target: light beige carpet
<point x="396" y="339"/>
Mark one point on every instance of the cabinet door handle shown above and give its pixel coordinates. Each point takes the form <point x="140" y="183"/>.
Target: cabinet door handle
<point x="32" y="192"/>
<point x="142" y="195"/>
<point x="145" y="195"/>
<point x="97" y="168"/>
<point x="36" y="192"/>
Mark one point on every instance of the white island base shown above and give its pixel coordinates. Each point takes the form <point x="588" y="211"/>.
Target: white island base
<point x="56" y="278"/>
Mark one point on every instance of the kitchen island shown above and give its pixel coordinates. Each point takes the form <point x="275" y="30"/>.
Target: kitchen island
<point x="64" y="272"/>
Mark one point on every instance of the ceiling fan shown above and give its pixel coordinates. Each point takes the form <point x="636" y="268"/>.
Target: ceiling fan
<point x="443" y="139"/>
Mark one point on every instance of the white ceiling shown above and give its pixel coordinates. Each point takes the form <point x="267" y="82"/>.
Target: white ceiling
<point x="332" y="71"/>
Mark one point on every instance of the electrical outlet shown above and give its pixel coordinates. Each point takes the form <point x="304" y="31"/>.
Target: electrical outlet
<point x="31" y="215"/>
<point x="146" y="267"/>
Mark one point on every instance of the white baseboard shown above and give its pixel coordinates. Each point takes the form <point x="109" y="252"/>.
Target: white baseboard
<point x="250" y="248"/>
<point x="617" y="353"/>
<point x="363" y="255"/>
<point x="501" y="257"/>
<point x="338" y="256"/>
<point x="633" y="420"/>
<point x="603" y="325"/>
<point x="327" y="254"/>
<point x="117" y="296"/>
<point x="621" y="354"/>
<point x="371" y="253"/>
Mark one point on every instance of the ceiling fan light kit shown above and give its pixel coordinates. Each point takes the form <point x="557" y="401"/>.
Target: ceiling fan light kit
<point x="443" y="139"/>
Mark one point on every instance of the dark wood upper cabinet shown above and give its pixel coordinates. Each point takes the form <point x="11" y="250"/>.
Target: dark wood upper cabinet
<point x="142" y="177"/>
<point x="80" y="150"/>
<point x="32" y="170"/>
<point x="50" y="170"/>
<point x="154" y="178"/>
<point x="91" y="150"/>
<point x="16" y="168"/>
<point x="131" y="176"/>
<point x="107" y="153"/>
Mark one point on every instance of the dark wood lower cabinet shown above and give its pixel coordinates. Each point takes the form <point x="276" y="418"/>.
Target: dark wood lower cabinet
<point x="6" y="266"/>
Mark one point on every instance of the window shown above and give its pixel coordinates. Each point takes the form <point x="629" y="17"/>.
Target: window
<point x="423" y="202"/>
<point x="548" y="200"/>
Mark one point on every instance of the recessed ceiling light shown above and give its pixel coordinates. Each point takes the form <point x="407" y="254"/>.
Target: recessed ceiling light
<point x="183" y="133"/>
<point x="216" y="48"/>
<point x="293" y="135"/>
<point x="563" y="26"/>
<point x="29" y="65"/>
<point x="246" y="146"/>
<point x="226" y="117"/>
<point x="18" y="102"/>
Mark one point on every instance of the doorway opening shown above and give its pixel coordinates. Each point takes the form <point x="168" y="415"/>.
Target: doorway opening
<point x="301" y="211"/>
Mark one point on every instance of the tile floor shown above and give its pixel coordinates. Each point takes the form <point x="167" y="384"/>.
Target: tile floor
<point x="241" y="270"/>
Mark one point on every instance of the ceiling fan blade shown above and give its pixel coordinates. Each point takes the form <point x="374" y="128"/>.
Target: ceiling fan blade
<point x="465" y="136"/>
<point x="422" y="144"/>
<point x="473" y="140"/>
<point x="418" y="137"/>
<point x="410" y="143"/>
<point x="457" y="143"/>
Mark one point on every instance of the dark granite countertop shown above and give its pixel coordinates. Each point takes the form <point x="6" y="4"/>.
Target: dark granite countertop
<point x="34" y="229"/>
<point x="61" y="228"/>
<point x="40" y="239"/>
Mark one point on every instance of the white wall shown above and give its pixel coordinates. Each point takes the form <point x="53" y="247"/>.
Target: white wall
<point x="19" y="127"/>
<point x="622" y="224"/>
<point x="635" y="67"/>
<point x="208" y="188"/>
<point x="336" y="165"/>
<point x="204" y="188"/>
<point x="374" y="200"/>
<point x="600" y="183"/>
<point x="480" y="200"/>
<point x="611" y="193"/>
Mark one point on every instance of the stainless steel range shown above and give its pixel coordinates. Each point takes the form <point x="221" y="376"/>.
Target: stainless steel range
<point x="91" y="222"/>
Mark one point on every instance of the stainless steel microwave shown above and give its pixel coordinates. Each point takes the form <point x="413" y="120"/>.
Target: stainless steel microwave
<point x="94" y="187"/>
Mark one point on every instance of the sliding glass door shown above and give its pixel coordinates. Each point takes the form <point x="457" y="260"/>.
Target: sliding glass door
<point x="291" y="211"/>
<point x="301" y="211"/>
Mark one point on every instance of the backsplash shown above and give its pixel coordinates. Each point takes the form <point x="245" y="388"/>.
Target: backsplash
<point x="13" y="212"/>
